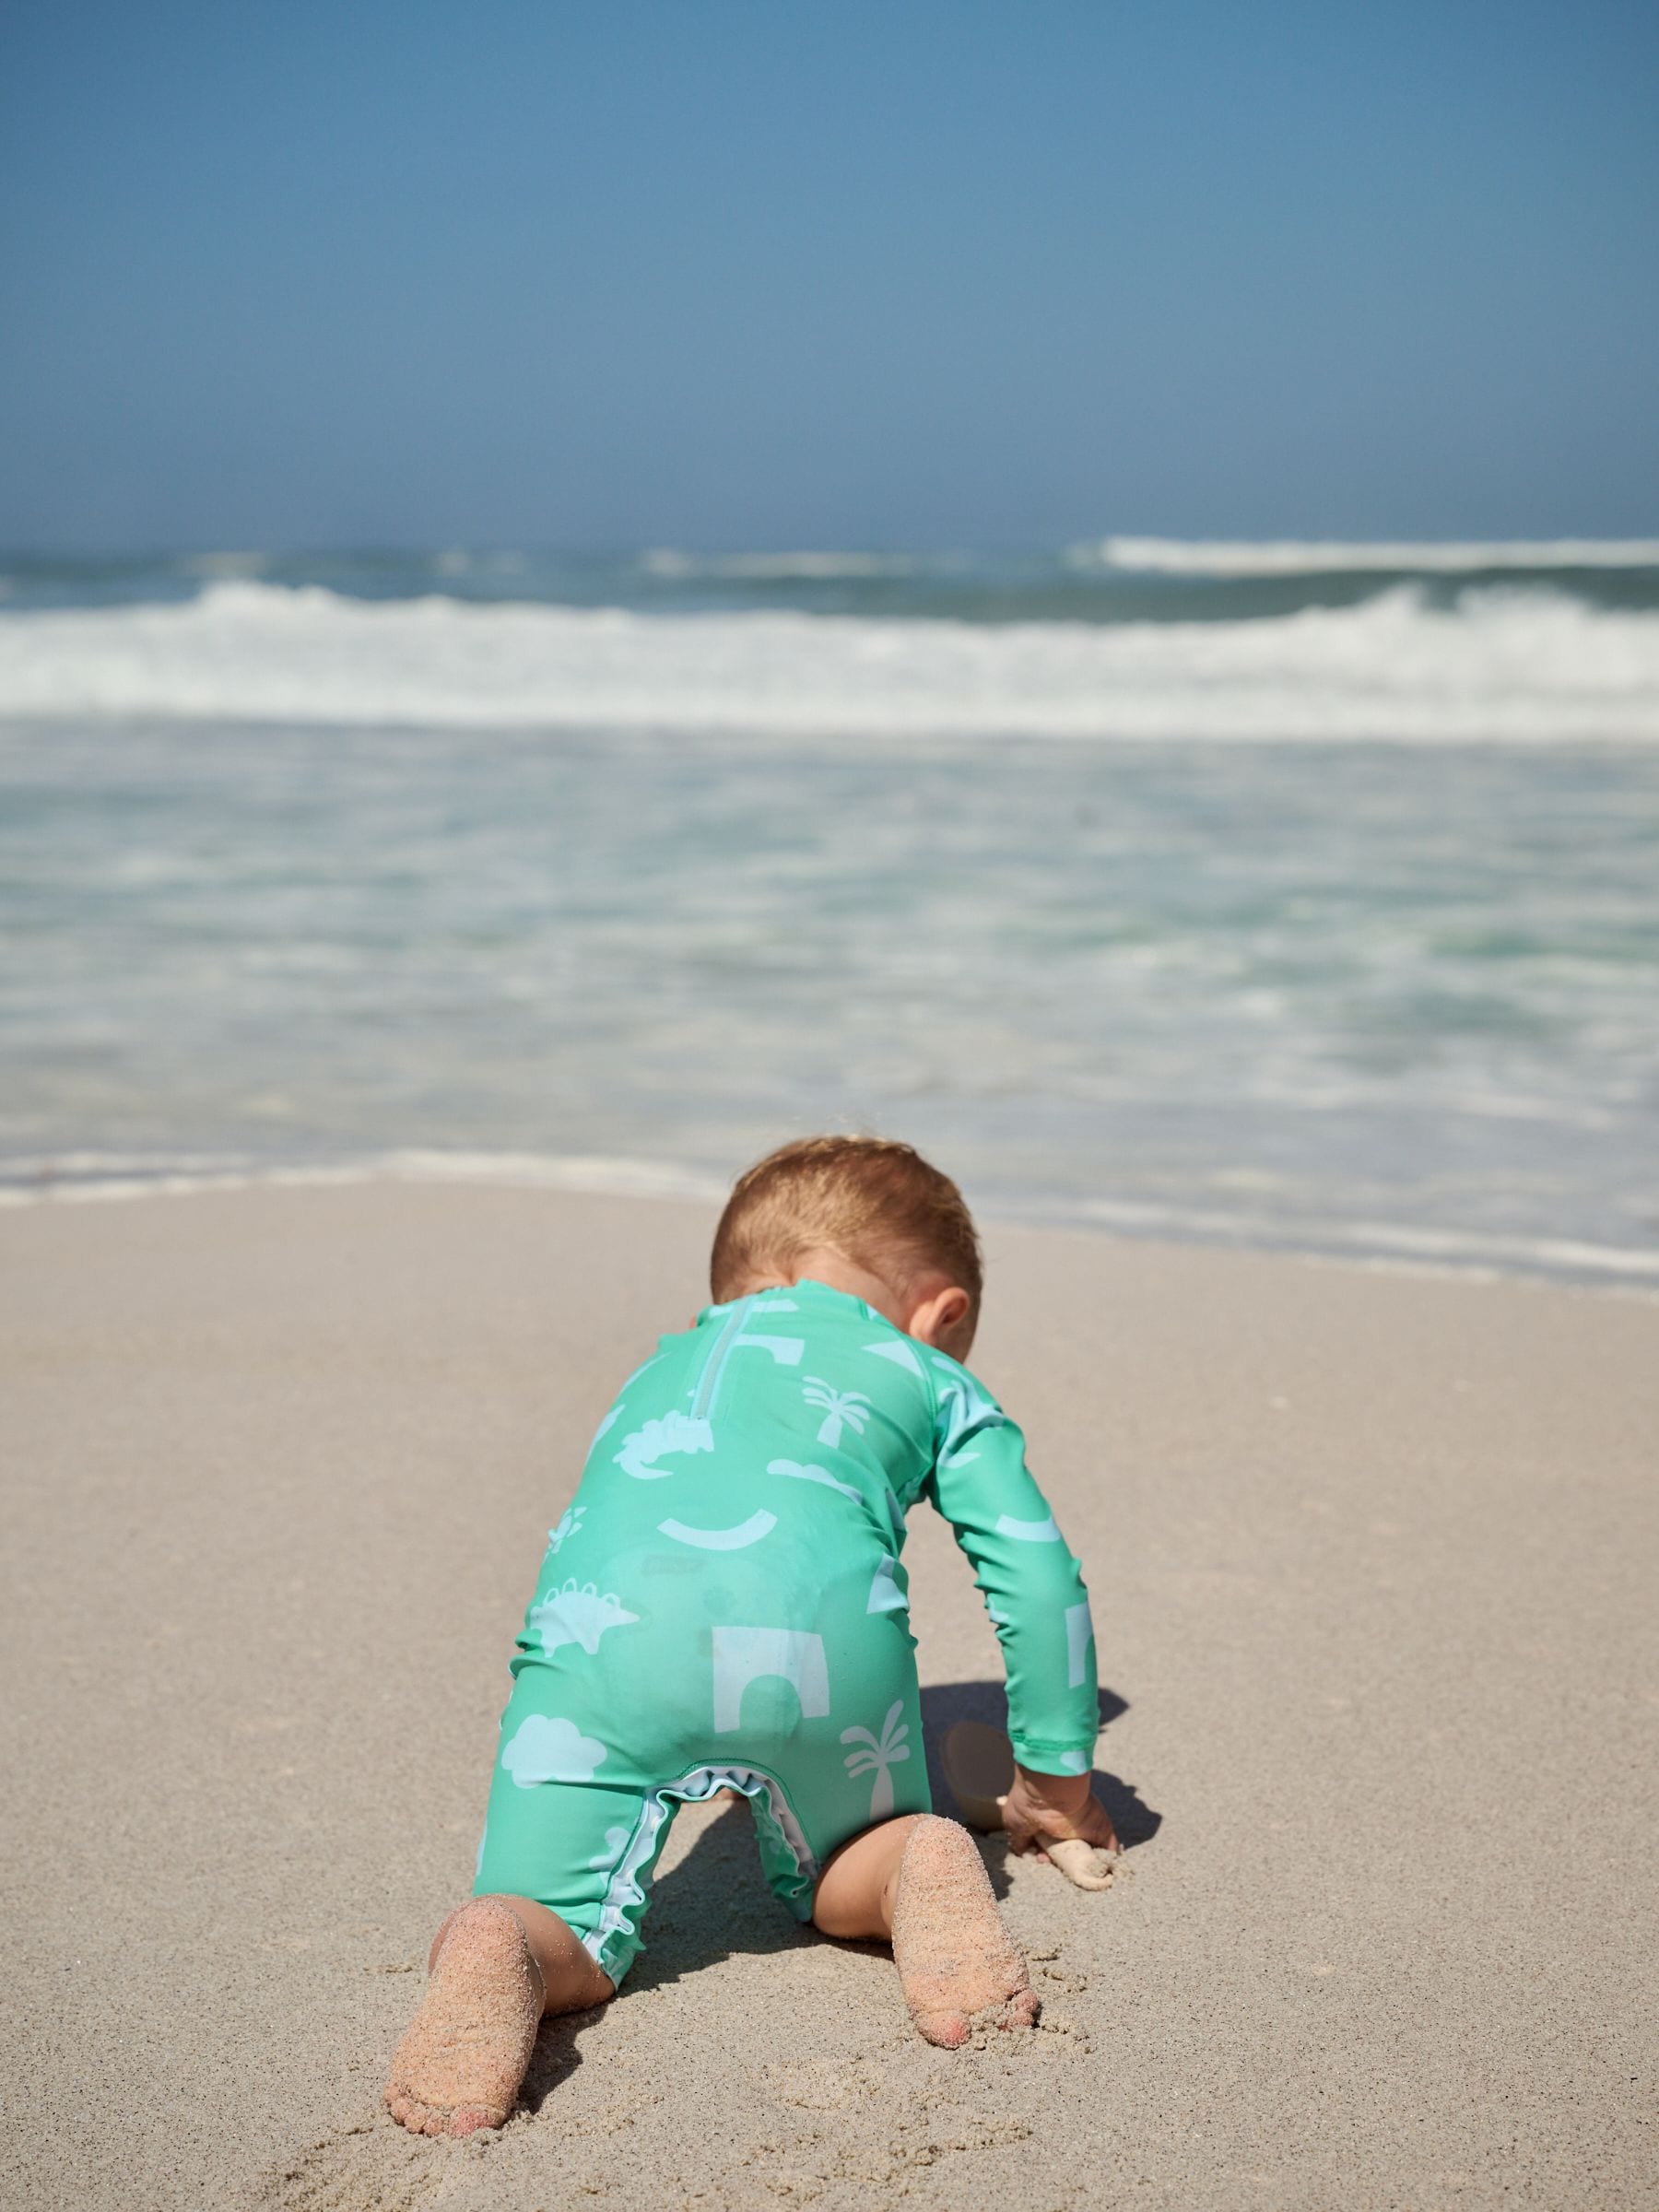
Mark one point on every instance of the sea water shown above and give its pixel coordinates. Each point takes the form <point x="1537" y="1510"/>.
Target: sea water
<point x="1298" y="896"/>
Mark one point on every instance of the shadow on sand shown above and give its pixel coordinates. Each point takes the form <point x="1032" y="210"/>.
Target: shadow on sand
<point x="945" y="1703"/>
<point x="715" y="1901"/>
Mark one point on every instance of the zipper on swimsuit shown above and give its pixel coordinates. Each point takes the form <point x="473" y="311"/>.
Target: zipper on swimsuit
<point x="709" y="1381"/>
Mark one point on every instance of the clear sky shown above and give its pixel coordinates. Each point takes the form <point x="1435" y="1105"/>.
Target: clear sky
<point x="728" y="272"/>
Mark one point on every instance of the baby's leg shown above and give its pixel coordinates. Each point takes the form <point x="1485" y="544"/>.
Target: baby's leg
<point x="919" y="1883"/>
<point x="497" y="1965"/>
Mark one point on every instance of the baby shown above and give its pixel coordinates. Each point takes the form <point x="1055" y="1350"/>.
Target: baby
<point x="723" y="1609"/>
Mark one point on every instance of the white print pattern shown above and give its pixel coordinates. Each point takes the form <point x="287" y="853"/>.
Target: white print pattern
<point x="998" y="1617"/>
<point x="885" y="1594"/>
<point x="1079" y="1635"/>
<point x="570" y="1525"/>
<point x="674" y="1433"/>
<point x="614" y="1838"/>
<point x="810" y="1474"/>
<point x="978" y="1410"/>
<point x="551" y="1750"/>
<point x="877" y="1756"/>
<point x="746" y="1655"/>
<point x="785" y="1350"/>
<point x="1028" y="1532"/>
<point x="1074" y="1762"/>
<point x="775" y="1305"/>
<point x="479" y="1861"/>
<point x="740" y="1538"/>
<point x="577" y="1615"/>
<point x="847" y="1407"/>
<point x="899" y="1352"/>
<point x="607" y="1424"/>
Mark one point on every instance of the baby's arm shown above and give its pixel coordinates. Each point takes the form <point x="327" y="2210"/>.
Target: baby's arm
<point x="1034" y="1593"/>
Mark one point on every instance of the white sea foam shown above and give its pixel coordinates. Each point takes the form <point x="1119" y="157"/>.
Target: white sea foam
<point x="80" y="1177"/>
<point x="1391" y="1243"/>
<point x="92" y="1177"/>
<point x="1328" y="557"/>
<point x="1503" y="665"/>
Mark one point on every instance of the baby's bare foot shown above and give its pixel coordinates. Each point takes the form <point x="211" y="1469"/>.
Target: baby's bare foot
<point x="957" y="1964"/>
<point x="460" y="2066"/>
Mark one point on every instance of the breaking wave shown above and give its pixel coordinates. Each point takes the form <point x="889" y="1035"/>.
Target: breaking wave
<point x="1336" y="557"/>
<point x="1500" y="665"/>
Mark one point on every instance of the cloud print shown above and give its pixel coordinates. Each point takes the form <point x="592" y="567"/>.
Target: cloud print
<point x="673" y="1433"/>
<point x="551" y="1750"/>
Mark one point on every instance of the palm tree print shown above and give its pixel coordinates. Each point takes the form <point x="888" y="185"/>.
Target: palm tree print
<point x="850" y="1408"/>
<point x="570" y="1523"/>
<point x="877" y="1754"/>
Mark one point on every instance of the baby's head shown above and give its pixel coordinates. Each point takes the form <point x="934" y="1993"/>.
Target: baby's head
<point x="864" y="1216"/>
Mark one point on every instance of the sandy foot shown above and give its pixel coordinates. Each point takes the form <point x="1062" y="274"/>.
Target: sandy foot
<point x="460" y="2066"/>
<point x="960" y="1968"/>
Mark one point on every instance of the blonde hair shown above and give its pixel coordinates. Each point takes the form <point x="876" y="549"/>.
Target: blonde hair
<point x="878" y="1203"/>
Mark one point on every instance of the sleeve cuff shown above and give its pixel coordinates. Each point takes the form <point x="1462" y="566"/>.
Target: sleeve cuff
<point x="1053" y="1758"/>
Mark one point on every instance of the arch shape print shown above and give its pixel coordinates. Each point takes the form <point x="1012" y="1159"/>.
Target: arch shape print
<point x="1028" y="1532"/>
<point x="746" y="1655"/>
<point x="738" y="1538"/>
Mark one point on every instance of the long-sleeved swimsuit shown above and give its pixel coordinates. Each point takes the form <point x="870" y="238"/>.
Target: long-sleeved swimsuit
<point x="723" y="1606"/>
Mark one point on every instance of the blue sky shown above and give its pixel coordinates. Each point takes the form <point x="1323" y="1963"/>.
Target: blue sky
<point x="765" y="275"/>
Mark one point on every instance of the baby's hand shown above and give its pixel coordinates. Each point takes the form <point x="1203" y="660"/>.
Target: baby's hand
<point x="1043" y="1809"/>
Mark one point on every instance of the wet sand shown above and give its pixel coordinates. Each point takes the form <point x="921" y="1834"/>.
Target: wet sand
<point x="1373" y="1559"/>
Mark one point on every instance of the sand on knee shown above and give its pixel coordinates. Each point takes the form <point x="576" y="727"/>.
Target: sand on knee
<point x="958" y="1966"/>
<point x="459" y="2068"/>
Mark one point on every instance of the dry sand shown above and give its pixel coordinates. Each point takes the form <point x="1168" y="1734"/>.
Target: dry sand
<point x="1373" y="1559"/>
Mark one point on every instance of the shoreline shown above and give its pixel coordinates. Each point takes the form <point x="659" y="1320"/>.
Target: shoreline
<point x="1550" y="1263"/>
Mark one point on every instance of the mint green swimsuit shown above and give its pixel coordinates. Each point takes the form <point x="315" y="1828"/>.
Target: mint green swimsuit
<point x="723" y="1606"/>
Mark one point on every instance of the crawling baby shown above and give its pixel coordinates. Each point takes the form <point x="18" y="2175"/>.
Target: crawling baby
<point x="723" y="1609"/>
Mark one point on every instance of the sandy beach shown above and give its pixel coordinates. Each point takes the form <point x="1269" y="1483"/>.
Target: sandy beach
<point x="1373" y="1563"/>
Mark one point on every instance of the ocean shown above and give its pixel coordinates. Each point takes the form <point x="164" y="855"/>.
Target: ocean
<point x="1303" y="897"/>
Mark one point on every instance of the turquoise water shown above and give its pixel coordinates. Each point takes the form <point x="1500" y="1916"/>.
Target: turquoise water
<point x="1394" y="994"/>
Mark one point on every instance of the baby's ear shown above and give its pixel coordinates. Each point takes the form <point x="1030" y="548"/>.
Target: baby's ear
<point x="939" y="1315"/>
